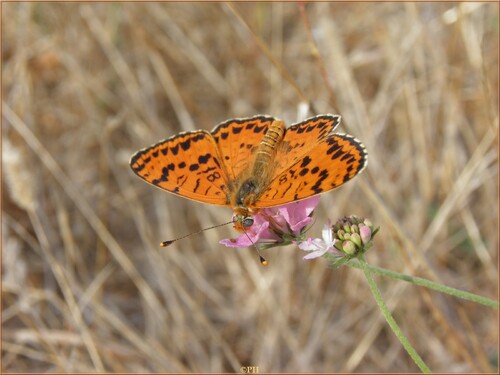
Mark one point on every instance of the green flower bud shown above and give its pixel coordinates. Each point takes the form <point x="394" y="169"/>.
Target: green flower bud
<point x="353" y="234"/>
<point x="340" y="234"/>
<point x="338" y="245"/>
<point x="356" y="238"/>
<point x="348" y="247"/>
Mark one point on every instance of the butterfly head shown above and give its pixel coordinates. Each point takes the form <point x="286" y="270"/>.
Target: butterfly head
<point x="242" y="221"/>
<point x="243" y="218"/>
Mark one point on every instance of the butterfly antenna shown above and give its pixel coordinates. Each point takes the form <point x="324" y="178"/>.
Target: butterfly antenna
<point x="263" y="260"/>
<point x="170" y="242"/>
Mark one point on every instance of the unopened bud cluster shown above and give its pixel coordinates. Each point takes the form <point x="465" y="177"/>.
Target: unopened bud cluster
<point x="353" y="234"/>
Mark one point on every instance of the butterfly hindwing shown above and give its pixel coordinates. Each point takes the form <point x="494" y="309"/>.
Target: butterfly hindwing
<point x="333" y="161"/>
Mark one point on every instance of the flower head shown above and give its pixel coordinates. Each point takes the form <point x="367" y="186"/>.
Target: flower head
<point x="349" y="237"/>
<point x="277" y="225"/>
<point x="354" y="234"/>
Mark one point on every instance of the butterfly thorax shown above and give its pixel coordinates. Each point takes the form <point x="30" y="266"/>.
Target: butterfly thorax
<point x="252" y="186"/>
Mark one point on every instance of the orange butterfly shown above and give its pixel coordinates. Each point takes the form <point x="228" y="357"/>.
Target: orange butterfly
<point x="253" y="163"/>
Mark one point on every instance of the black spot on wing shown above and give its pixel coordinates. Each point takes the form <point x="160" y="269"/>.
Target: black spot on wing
<point x="346" y="156"/>
<point x="186" y="144"/>
<point x="259" y="129"/>
<point x="175" y="149"/>
<point x="323" y="175"/>
<point x="338" y="154"/>
<point x="286" y="190"/>
<point x="304" y="171"/>
<point x="137" y="168"/>
<point x="203" y="159"/>
<point x="321" y="124"/>
<point x="157" y="181"/>
<point x="197" y="185"/>
<point x="334" y="146"/>
<point x="166" y="170"/>
<point x="305" y="162"/>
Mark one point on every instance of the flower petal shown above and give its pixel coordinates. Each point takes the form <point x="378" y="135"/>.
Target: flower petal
<point x="297" y="213"/>
<point x="258" y="232"/>
<point x="312" y="244"/>
<point x="316" y="254"/>
<point x="327" y="234"/>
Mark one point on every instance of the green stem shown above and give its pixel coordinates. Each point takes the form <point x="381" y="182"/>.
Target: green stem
<point x="430" y="284"/>
<point x="390" y="320"/>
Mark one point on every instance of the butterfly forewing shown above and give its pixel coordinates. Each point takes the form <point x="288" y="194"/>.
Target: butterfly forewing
<point x="187" y="164"/>
<point x="237" y="141"/>
<point x="300" y="138"/>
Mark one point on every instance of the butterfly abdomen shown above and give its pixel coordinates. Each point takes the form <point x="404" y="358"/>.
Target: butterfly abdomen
<point x="267" y="148"/>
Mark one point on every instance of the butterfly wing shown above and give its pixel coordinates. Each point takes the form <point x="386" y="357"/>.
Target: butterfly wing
<point x="300" y="138"/>
<point x="188" y="164"/>
<point x="237" y="141"/>
<point x="311" y="161"/>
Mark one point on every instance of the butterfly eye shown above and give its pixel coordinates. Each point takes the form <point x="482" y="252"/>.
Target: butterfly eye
<point x="247" y="222"/>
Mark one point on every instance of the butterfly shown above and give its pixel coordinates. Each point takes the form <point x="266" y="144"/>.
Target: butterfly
<point x="253" y="163"/>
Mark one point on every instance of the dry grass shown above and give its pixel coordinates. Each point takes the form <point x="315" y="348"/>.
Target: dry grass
<point x="85" y="286"/>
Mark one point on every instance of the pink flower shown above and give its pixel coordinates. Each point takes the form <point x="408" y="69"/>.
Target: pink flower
<point x="258" y="232"/>
<point x="277" y="225"/>
<point x="319" y="247"/>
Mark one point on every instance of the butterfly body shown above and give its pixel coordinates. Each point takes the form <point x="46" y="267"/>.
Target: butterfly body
<point x="253" y="163"/>
<point x="252" y="180"/>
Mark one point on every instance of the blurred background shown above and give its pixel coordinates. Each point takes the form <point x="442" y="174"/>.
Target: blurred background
<point x="85" y="285"/>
